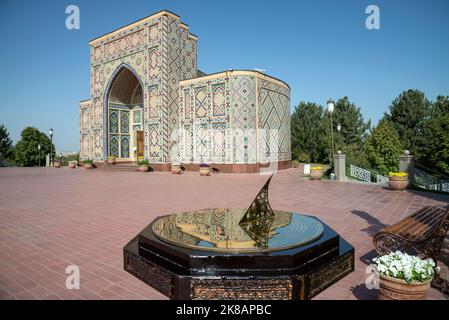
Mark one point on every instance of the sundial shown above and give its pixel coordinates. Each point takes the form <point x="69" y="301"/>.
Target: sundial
<point x="256" y="229"/>
<point x="227" y="253"/>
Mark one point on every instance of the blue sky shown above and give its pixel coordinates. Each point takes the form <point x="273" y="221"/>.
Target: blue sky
<point x="321" y="48"/>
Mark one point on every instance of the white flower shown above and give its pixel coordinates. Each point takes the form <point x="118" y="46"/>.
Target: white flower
<point x="403" y="266"/>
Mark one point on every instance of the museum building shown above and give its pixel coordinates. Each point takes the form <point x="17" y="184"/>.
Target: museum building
<point x="148" y="100"/>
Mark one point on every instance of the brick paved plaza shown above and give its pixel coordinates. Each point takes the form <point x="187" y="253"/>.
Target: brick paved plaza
<point x="51" y="218"/>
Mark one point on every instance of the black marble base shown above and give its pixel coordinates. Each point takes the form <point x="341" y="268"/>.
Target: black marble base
<point x="293" y="273"/>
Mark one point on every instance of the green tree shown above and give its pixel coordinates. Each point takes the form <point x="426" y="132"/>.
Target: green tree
<point x="308" y="133"/>
<point x="26" y="151"/>
<point x="433" y="145"/>
<point x="382" y="148"/>
<point x="355" y="154"/>
<point x="441" y="106"/>
<point x="5" y="145"/>
<point x="354" y="129"/>
<point x="408" y="114"/>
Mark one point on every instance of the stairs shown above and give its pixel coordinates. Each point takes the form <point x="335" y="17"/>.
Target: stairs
<point x="119" y="167"/>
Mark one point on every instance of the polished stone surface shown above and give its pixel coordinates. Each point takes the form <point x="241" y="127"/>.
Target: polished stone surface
<point x="220" y="230"/>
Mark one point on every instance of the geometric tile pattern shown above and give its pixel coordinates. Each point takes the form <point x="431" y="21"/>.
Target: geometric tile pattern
<point x="113" y="121"/>
<point x="119" y="138"/>
<point x="113" y="145"/>
<point x="153" y="63"/>
<point x="244" y="118"/>
<point x="218" y="100"/>
<point x="200" y="102"/>
<point x="219" y="136"/>
<point x="124" y="43"/>
<point x="235" y="108"/>
<point x="153" y="104"/>
<point x="274" y="102"/>
<point x="85" y="121"/>
<point x="187" y="104"/>
<point x="201" y="143"/>
<point x="124" y="147"/>
<point x="196" y="103"/>
<point x="153" y="140"/>
<point x="161" y="52"/>
<point x="124" y="122"/>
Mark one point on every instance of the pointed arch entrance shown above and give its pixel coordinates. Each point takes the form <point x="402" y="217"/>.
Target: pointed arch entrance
<point x="124" y="116"/>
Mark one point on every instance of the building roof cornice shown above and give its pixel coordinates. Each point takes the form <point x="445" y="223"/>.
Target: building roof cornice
<point x="143" y="20"/>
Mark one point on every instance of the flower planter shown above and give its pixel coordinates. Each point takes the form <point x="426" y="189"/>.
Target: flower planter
<point x="88" y="166"/>
<point x="111" y="160"/>
<point x="144" y="168"/>
<point x="316" y="174"/>
<point x="72" y="165"/>
<point x="398" y="183"/>
<point x="176" y="169"/>
<point x="56" y="164"/>
<point x="204" y="171"/>
<point x="397" y="289"/>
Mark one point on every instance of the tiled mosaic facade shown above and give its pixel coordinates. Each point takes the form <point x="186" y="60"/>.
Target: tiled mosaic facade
<point x="160" y="51"/>
<point x="143" y="77"/>
<point x="234" y="117"/>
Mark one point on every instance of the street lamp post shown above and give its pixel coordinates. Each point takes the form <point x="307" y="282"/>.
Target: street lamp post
<point x="330" y="108"/>
<point x="50" y="132"/>
<point x="340" y="139"/>
<point x="60" y="159"/>
<point x="39" y="153"/>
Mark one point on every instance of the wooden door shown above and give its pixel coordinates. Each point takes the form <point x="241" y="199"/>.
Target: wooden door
<point x="139" y="144"/>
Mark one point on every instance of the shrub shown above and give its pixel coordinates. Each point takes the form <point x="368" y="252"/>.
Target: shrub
<point x="88" y="161"/>
<point x="144" y="162"/>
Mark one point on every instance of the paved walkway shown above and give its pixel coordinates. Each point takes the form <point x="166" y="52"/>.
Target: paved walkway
<point x="52" y="218"/>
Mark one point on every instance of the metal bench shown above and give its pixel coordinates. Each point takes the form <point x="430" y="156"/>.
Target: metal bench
<point x="423" y="232"/>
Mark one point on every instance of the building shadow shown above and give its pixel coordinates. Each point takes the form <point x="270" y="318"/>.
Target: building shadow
<point x="374" y="224"/>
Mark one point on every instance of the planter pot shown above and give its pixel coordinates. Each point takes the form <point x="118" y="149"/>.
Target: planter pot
<point x="316" y="174"/>
<point x="56" y="164"/>
<point x="204" y="171"/>
<point x="396" y="289"/>
<point x="398" y="183"/>
<point x="72" y="165"/>
<point x="144" y="168"/>
<point x="88" y="166"/>
<point x="176" y="169"/>
<point x="111" y="160"/>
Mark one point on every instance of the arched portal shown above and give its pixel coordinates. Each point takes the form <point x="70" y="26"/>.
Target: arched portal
<point x="124" y="112"/>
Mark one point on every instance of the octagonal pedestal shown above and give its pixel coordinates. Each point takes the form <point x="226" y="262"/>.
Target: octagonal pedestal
<point x="295" y="272"/>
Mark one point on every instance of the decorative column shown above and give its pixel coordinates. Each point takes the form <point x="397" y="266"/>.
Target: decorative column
<point x="340" y="166"/>
<point x="406" y="164"/>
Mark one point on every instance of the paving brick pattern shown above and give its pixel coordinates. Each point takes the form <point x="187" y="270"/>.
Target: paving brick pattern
<point x="51" y="218"/>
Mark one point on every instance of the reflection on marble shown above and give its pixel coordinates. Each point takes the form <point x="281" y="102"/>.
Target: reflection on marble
<point x="221" y="230"/>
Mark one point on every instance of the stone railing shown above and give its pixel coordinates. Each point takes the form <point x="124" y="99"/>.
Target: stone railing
<point x="367" y="175"/>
